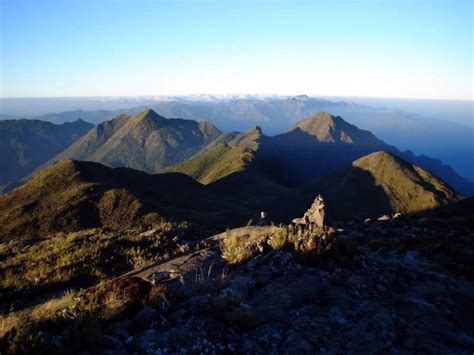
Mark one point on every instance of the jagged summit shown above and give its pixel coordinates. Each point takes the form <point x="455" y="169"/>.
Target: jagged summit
<point x="328" y="128"/>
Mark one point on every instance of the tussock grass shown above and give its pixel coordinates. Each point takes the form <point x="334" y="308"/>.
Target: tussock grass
<point x="305" y="240"/>
<point x="238" y="247"/>
<point x="78" y="259"/>
<point x="47" y="311"/>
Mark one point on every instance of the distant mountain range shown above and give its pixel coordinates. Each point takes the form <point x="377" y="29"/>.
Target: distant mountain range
<point x="449" y="141"/>
<point x="238" y="174"/>
<point x="313" y="148"/>
<point x="26" y="144"/>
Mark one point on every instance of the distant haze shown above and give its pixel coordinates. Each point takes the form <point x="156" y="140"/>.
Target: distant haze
<point x="438" y="128"/>
<point x="460" y="111"/>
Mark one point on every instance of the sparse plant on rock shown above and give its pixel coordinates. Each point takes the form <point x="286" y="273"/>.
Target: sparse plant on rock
<point x="279" y="239"/>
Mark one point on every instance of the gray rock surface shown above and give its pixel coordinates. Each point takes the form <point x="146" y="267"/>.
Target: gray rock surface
<point x="145" y="318"/>
<point x="384" y="293"/>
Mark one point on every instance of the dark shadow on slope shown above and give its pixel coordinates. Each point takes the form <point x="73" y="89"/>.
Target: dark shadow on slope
<point x="303" y="158"/>
<point x="255" y="192"/>
<point x="457" y="214"/>
<point x="173" y="195"/>
<point x="349" y="194"/>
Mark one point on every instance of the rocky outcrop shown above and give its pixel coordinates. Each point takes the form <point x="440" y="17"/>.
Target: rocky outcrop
<point x="360" y="301"/>
<point x="399" y="284"/>
<point x="315" y="214"/>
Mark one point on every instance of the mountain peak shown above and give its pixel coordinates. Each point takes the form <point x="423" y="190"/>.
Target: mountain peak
<point x="145" y="141"/>
<point x="79" y="120"/>
<point x="328" y="128"/>
<point x="381" y="155"/>
<point x="321" y="119"/>
<point x="381" y="159"/>
<point x="302" y="97"/>
<point x="148" y="114"/>
<point x="381" y="182"/>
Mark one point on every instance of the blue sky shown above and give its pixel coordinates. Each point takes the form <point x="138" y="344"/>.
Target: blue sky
<point x="413" y="49"/>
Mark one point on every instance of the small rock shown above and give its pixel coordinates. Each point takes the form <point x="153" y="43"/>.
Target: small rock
<point x="178" y="316"/>
<point x="146" y="341"/>
<point x="111" y="343"/>
<point x="297" y="344"/>
<point x="240" y="286"/>
<point x="148" y="233"/>
<point x="160" y="277"/>
<point x="384" y="218"/>
<point x="336" y="316"/>
<point x="410" y="257"/>
<point x="120" y="330"/>
<point x="145" y="317"/>
<point x="250" y="346"/>
<point x="164" y="322"/>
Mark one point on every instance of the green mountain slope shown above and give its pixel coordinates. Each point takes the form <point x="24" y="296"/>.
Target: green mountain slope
<point x="74" y="195"/>
<point x="227" y="155"/>
<point x="26" y="144"/>
<point x="313" y="148"/>
<point x="145" y="141"/>
<point x="382" y="183"/>
<point x="215" y="163"/>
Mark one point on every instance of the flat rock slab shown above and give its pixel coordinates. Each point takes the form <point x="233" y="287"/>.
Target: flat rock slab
<point x="198" y="263"/>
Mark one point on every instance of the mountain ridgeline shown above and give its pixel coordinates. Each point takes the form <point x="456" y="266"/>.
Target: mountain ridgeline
<point x="75" y="195"/>
<point x="382" y="183"/>
<point x="333" y="129"/>
<point x="216" y="179"/>
<point x="310" y="150"/>
<point x="145" y="141"/>
<point x="27" y="144"/>
<point x="449" y="141"/>
<point x="71" y="196"/>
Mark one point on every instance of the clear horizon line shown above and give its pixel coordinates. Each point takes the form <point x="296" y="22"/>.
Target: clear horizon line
<point x="240" y="94"/>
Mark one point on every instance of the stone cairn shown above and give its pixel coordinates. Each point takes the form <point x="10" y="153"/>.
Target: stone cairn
<point x="314" y="215"/>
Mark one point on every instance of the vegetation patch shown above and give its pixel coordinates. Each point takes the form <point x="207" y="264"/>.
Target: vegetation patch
<point x="35" y="269"/>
